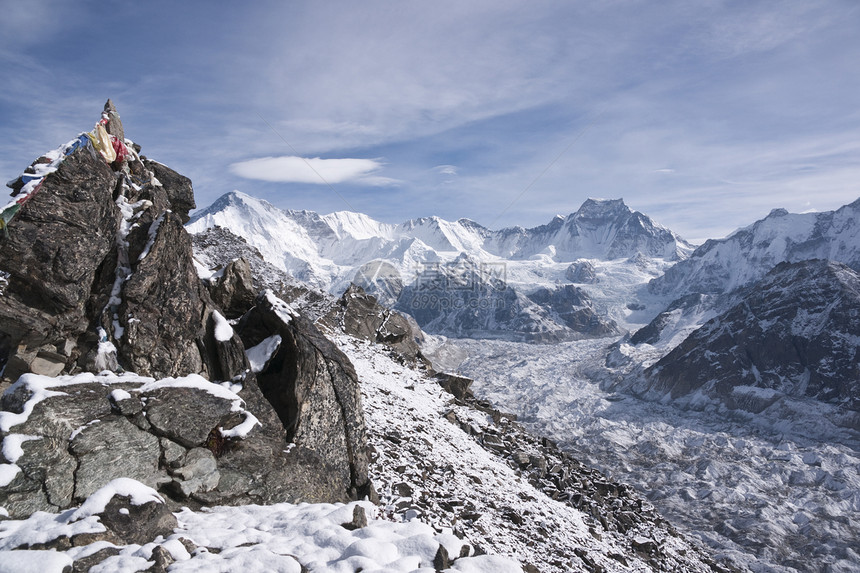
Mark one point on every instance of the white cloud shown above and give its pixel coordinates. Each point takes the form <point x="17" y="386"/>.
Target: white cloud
<point x="292" y="169"/>
<point x="446" y="169"/>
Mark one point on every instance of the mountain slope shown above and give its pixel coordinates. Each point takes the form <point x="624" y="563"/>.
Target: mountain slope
<point x="792" y="334"/>
<point x="748" y="254"/>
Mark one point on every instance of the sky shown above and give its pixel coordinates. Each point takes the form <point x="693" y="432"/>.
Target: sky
<point x="703" y="115"/>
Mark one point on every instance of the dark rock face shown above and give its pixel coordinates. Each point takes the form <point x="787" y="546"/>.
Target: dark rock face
<point x="96" y="248"/>
<point x="52" y="259"/>
<point x="793" y="333"/>
<point x="234" y="291"/>
<point x="314" y="390"/>
<point x="573" y="307"/>
<point x="361" y="316"/>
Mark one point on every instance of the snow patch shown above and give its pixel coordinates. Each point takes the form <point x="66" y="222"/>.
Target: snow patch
<point x="223" y="330"/>
<point x="260" y="354"/>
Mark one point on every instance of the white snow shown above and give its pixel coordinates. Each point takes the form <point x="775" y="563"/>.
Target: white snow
<point x="152" y="233"/>
<point x="33" y="562"/>
<point x="12" y="449"/>
<point x="138" y="494"/>
<point x="223" y="330"/>
<point x="260" y="354"/>
<point x="119" y="395"/>
<point x="8" y="473"/>
<point x="284" y="311"/>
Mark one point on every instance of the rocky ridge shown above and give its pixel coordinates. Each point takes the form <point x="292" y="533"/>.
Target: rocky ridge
<point x="100" y="281"/>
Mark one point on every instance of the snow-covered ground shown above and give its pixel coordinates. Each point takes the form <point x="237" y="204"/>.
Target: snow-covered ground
<point x="423" y="460"/>
<point x="766" y="498"/>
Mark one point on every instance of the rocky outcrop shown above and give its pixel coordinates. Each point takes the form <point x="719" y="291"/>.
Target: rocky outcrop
<point x="792" y="334"/>
<point x="358" y="314"/>
<point x="196" y="442"/>
<point x="572" y="307"/>
<point x="216" y="247"/>
<point x="99" y="269"/>
<point x="581" y="272"/>
<point x="313" y="388"/>
<point x="99" y="280"/>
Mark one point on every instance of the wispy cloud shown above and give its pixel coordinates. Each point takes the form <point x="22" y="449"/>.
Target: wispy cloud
<point x="292" y="169"/>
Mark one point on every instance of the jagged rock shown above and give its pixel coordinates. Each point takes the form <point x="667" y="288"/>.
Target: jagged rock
<point x="138" y="524"/>
<point x="314" y="390"/>
<point x="114" y="124"/>
<point x="441" y="561"/>
<point x="180" y="194"/>
<point x="785" y="337"/>
<point x="97" y="248"/>
<point x="572" y="307"/>
<point x="581" y="272"/>
<point x="360" y="315"/>
<point x="458" y="386"/>
<point x="234" y="290"/>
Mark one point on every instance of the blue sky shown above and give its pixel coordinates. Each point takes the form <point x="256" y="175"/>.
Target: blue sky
<point x="704" y="115"/>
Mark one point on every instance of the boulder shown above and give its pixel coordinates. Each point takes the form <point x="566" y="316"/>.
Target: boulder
<point x="314" y="390"/>
<point x="361" y="316"/>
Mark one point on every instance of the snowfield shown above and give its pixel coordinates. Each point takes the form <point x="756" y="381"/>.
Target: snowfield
<point x="765" y="497"/>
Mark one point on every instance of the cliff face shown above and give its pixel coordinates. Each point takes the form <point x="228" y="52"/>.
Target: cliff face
<point x="793" y="333"/>
<point x="100" y="290"/>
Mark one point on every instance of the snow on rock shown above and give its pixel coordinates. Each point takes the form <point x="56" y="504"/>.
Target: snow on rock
<point x="260" y="354"/>
<point x="8" y="473"/>
<point x="138" y="493"/>
<point x="223" y="330"/>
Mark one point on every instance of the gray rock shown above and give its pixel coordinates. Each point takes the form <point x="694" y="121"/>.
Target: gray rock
<point x="185" y="415"/>
<point x="114" y="125"/>
<point x="785" y="335"/>
<point x="199" y="473"/>
<point x="234" y="290"/>
<point x="110" y="449"/>
<point x="360" y="315"/>
<point x="581" y="272"/>
<point x="314" y="390"/>
<point x="138" y="524"/>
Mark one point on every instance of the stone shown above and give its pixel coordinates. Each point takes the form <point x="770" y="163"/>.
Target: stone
<point x="458" y="386"/>
<point x="199" y="473"/>
<point x="113" y="448"/>
<point x="138" y="524"/>
<point x="359" y="519"/>
<point x="441" y="561"/>
<point x="234" y="290"/>
<point x="581" y="272"/>
<point x="314" y="390"/>
<point x="186" y="416"/>
<point x="360" y="315"/>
